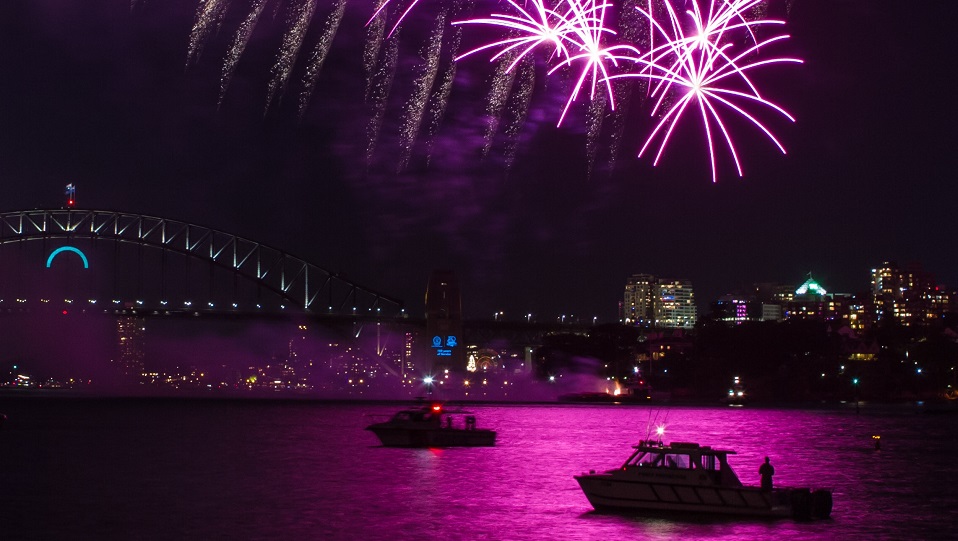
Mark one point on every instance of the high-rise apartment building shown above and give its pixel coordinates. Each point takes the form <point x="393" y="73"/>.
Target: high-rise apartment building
<point x="658" y="302"/>
<point x="675" y="304"/>
<point x="130" y="331"/>
<point x="908" y="295"/>
<point x="638" y="303"/>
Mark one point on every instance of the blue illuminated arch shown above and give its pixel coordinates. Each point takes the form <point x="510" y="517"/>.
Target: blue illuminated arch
<point x="86" y="262"/>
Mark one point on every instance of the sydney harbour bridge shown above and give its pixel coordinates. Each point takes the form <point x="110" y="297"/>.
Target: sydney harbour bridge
<point x="106" y="263"/>
<point x="113" y="260"/>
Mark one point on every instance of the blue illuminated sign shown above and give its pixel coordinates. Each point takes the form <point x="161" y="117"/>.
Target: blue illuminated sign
<point x="86" y="262"/>
<point x="444" y="347"/>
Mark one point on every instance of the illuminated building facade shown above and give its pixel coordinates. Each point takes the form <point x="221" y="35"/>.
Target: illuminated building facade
<point x="675" y="304"/>
<point x="908" y="295"/>
<point x="658" y="302"/>
<point x="442" y="348"/>
<point x="638" y="305"/>
<point x="131" y="334"/>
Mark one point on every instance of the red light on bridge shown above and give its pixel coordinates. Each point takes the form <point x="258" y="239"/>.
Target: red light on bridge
<point x="70" y="203"/>
<point x="64" y="312"/>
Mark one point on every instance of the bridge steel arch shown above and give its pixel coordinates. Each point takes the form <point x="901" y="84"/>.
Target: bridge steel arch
<point x="305" y="285"/>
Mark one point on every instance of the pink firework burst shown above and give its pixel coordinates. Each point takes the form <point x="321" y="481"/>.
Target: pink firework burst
<point x="575" y="29"/>
<point x="706" y="60"/>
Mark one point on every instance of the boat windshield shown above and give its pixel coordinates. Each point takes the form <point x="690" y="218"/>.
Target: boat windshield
<point x="666" y="458"/>
<point x="417" y="416"/>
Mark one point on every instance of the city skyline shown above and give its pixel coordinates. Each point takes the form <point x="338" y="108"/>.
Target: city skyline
<point x="100" y="99"/>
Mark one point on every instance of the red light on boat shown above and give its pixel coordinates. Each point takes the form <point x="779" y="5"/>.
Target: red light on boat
<point x="436" y="408"/>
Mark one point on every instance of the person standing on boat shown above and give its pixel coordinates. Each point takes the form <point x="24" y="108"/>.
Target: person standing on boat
<point x="766" y="471"/>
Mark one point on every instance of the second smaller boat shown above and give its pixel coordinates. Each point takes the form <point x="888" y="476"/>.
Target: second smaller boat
<point x="432" y="425"/>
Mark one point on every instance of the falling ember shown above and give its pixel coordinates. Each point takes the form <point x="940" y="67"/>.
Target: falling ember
<point x="498" y="97"/>
<point x="300" y="17"/>
<point x="239" y="45"/>
<point x="439" y="99"/>
<point x="375" y="29"/>
<point x="702" y="65"/>
<point x="416" y="106"/>
<point x="594" y="129"/>
<point x="318" y="56"/>
<point x="379" y="94"/>
<point x="519" y="108"/>
<point x="209" y="15"/>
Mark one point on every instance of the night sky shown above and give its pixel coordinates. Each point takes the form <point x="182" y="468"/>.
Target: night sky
<point x="98" y="94"/>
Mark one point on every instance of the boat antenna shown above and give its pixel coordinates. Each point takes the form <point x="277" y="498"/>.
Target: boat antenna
<point x="653" y="425"/>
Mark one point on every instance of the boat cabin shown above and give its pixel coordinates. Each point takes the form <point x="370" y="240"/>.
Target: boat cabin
<point x="684" y="457"/>
<point x="427" y="415"/>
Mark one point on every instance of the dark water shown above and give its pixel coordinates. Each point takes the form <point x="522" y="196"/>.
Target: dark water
<point x="187" y="469"/>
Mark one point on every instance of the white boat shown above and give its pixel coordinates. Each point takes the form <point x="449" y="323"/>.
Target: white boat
<point x="432" y="425"/>
<point x="691" y="478"/>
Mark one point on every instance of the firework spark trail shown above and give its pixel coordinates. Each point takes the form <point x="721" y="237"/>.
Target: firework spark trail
<point x="498" y="97"/>
<point x="519" y="108"/>
<point x="300" y="17"/>
<point x="760" y="10"/>
<point x="439" y="99"/>
<point x="209" y="15"/>
<point x="240" y="41"/>
<point x="632" y="29"/>
<point x="703" y="64"/>
<point x="375" y="29"/>
<point x="318" y="56"/>
<point x="422" y="88"/>
<point x="379" y="94"/>
<point x="594" y="118"/>
<point x="624" y="88"/>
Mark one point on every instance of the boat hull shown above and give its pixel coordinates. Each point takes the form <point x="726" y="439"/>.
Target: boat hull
<point x="605" y="492"/>
<point x="433" y="437"/>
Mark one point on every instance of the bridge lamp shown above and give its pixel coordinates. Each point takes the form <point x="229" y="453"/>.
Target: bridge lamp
<point x="210" y="304"/>
<point x="235" y="305"/>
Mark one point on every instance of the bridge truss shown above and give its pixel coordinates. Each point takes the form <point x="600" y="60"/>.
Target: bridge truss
<point x="301" y="284"/>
